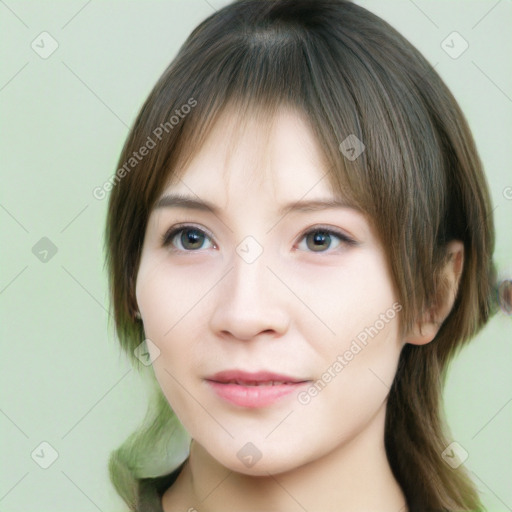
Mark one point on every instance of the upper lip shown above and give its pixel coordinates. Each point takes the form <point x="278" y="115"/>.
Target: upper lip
<point x="243" y="377"/>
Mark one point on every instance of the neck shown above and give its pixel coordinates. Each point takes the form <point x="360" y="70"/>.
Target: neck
<point x="354" y="476"/>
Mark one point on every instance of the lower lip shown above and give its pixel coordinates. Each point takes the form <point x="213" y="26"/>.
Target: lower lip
<point x="253" y="396"/>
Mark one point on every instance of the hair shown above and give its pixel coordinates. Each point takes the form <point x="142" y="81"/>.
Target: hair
<point x="419" y="180"/>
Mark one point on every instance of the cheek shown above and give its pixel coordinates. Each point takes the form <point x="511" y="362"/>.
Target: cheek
<point x="171" y="301"/>
<point x="352" y="301"/>
<point x="359" y="356"/>
<point x="168" y="296"/>
<point x="357" y="369"/>
<point x="342" y="410"/>
<point x="351" y="386"/>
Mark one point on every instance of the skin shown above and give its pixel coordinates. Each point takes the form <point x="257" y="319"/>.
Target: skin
<point x="293" y="310"/>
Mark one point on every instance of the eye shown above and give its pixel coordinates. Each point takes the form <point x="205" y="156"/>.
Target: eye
<point x="190" y="238"/>
<point x="187" y="239"/>
<point x="323" y="239"/>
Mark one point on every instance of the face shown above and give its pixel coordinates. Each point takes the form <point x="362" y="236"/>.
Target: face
<point x="268" y="301"/>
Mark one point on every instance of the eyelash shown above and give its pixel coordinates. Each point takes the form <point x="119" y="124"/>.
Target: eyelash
<point x="169" y="236"/>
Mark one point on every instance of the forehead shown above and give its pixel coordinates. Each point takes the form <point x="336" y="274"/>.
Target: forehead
<point x="270" y="155"/>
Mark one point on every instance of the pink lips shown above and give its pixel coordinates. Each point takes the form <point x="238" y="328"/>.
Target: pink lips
<point x="253" y="390"/>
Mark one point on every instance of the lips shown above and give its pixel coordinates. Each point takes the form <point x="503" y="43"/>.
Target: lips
<point x="253" y="389"/>
<point x="252" y="378"/>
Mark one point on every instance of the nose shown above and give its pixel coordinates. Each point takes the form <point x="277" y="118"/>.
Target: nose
<point x="248" y="304"/>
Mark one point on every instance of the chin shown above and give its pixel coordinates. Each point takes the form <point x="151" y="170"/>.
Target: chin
<point x="261" y="468"/>
<point x="251" y="461"/>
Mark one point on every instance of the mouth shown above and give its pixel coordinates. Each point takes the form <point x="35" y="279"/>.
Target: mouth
<point x="253" y="389"/>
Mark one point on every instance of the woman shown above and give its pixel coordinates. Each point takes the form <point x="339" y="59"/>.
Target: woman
<point x="301" y="232"/>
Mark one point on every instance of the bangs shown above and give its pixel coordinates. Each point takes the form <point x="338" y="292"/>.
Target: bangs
<point x="251" y="79"/>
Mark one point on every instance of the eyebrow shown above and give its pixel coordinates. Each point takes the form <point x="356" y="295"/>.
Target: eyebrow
<point x="192" y="203"/>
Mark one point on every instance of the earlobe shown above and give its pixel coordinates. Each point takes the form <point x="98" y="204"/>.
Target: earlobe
<point x="426" y="328"/>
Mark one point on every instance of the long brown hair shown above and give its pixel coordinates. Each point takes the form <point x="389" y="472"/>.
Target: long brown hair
<point x="419" y="180"/>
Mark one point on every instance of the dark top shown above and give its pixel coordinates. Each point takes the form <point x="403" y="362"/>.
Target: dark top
<point x="151" y="490"/>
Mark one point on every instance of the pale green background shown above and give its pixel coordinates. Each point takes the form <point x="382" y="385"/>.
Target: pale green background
<point x="64" y="120"/>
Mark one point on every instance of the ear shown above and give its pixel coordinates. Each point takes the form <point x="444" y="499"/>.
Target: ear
<point x="426" y="328"/>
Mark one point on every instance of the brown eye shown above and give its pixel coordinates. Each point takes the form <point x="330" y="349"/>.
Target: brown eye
<point x="192" y="239"/>
<point x="187" y="238"/>
<point x="323" y="240"/>
<point x="318" y="240"/>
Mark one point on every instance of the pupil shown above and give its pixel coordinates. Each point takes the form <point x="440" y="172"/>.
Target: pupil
<point x="192" y="239"/>
<point x="320" y="240"/>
